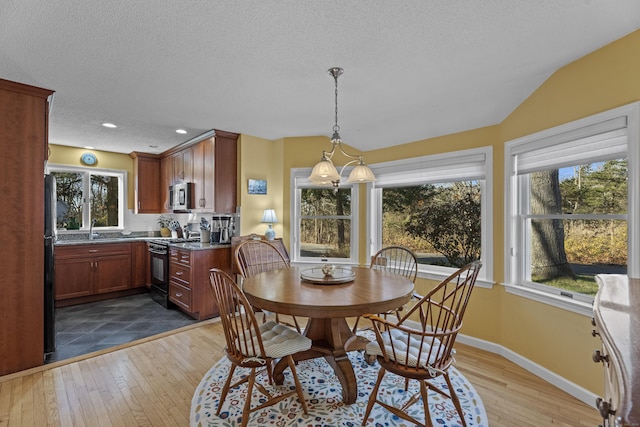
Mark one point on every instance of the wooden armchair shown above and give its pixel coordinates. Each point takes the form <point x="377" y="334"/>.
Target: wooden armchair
<point x="254" y="346"/>
<point x="256" y="256"/>
<point x="397" y="260"/>
<point x="424" y="352"/>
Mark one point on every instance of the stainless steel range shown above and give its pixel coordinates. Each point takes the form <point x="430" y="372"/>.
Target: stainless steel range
<point x="159" y="267"/>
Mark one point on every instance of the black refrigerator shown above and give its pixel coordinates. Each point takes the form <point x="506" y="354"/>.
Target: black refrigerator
<point x="49" y="273"/>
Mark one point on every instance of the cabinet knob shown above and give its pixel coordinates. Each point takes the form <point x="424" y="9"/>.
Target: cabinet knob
<point x="178" y="295"/>
<point x="178" y="273"/>
<point x="599" y="357"/>
<point x="594" y="333"/>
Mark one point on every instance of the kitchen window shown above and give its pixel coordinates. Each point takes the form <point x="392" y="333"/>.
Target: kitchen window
<point x="324" y="227"/>
<point x="572" y="207"/>
<point x="85" y="195"/>
<point x="438" y="207"/>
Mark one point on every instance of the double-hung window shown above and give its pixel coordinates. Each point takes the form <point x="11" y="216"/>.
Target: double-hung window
<point x="438" y="206"/>
<point x="324" y="228"/>
<point x="85" y="195"/>
<point x="571" y="206"/>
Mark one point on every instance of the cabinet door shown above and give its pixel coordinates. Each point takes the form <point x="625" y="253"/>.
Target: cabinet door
<point x="139" y="264"/>
<point x="112" y="273"/>
<point x="166" y="180"/>
<point x="183" y="165"/>
<point x="203" y="175"/>
<point x="197" y="152"/>
<point x="73" y="278"/>
<point x="147" y="191"/>
<point x="225" y="172"/>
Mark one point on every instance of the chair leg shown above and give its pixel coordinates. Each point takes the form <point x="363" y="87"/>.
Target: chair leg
<point x="454" y="398"/>
<point x="247" y="403"/>
<point x="424" y="393"/>
<point x="374" y="395"/>
<point x="292" y="366"/>
<point x="225" y="389"/>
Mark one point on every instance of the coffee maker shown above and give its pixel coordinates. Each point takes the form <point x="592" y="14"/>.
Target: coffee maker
<point x="223" y="227"/>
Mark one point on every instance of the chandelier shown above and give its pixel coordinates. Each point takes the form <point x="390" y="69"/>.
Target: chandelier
<point x="324" y="172"/>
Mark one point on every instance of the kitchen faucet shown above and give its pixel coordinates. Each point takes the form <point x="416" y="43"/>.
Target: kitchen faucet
<point x="92" y="235"/>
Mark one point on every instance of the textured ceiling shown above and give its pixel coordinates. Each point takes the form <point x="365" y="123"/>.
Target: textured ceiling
<point x="413" y="69"/>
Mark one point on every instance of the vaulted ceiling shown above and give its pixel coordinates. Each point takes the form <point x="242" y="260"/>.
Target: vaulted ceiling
<point x="413" y="69"/>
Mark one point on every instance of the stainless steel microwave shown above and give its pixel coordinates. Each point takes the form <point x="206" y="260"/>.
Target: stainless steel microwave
<point x="181" y="196"/>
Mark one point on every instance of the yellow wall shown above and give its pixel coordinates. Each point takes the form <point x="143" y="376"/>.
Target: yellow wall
<point x="64" y="155"/>
<point x="556" y="339"/>
<point x="260" y="159"/>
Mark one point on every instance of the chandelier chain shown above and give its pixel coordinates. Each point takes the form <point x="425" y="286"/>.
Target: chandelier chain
<point x="336" y="128"/>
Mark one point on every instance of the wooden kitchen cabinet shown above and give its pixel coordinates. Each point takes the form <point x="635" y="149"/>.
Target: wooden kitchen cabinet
<point x="166" y="179"/>
<point x="139" y="265"/>
<point x="215" y="173"/>
<point x="92" y="269"/>
<point x="146" y="172"/>
<point x="24" y="113"/>
<point x="183" y="166"/>
<point x="189" y="287"/>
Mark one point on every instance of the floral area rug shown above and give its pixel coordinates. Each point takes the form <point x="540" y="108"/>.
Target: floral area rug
<point x="323" y="395"/>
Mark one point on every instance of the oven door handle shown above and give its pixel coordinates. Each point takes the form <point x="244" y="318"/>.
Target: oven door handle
<point x="157" y="252"/>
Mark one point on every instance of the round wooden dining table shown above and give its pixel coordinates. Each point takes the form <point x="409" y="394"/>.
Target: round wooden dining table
<point x="327" y="306"/>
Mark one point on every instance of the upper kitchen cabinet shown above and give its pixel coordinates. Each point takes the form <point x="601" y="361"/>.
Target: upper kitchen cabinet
<point x="23" y="141"/>
<point x="146" y="170"/>
<point x="215" y="173"/>
<point x="183" y="165"/>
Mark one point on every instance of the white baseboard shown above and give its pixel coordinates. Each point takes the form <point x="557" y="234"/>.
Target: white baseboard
<point x="563" y="384"/>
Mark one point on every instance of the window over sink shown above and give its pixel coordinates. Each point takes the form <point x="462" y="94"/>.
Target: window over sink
<point x="87" y="194"/>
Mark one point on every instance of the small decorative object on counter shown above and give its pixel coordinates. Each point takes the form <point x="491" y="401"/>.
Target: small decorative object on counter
<point x="328" y="269"/>
<point x="163" y="221"/>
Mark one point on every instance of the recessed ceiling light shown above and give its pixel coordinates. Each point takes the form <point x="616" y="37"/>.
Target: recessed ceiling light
<point x="109" y="125"/>
<point x="88" y="147"/>
<point x="182" y="131"/>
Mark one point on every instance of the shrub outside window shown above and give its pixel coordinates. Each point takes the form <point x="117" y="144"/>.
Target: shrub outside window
<point x="437" y="207"/>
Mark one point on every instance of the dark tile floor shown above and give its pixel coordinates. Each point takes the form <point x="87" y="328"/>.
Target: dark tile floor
<point x="85" y="328"/>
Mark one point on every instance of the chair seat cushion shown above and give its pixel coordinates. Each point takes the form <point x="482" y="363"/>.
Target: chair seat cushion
<point x="280" y="340"/>
<point x="401" y="340"/>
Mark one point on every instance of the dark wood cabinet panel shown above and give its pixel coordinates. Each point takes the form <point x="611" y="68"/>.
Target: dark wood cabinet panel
<point x="73" y="278"/>
<point x="112" y="273"/>
<point x="85" y="270"/>
<point x="226" y="172"/>
<point x="23" y="138"/>
<point x="139" y="265"/>
<point x="146" y="171"/>
<point x="166" y="179"/>
<point x="189" y="286"/>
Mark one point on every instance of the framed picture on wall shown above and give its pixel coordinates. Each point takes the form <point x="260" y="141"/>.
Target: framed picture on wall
<point x="257" y="186"/>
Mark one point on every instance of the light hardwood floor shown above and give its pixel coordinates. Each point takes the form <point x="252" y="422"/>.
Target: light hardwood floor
<point x="151" y="384"/>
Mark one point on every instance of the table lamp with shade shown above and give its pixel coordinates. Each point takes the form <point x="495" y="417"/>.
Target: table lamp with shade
<point x="269" y="217"/>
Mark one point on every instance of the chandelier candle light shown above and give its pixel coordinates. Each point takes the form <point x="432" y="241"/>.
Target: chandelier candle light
<point x="269" y="217"/>
<point x="324" y="172"/>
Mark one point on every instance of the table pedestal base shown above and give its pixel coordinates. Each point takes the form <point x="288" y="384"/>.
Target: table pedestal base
<point x="332" y="339"/>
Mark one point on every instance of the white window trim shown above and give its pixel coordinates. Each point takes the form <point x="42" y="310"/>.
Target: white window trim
<point x="298" y="180"/>
<point x="432" y="169"/>
<point x="122" y="191"/>
<point x="630" y="114"/>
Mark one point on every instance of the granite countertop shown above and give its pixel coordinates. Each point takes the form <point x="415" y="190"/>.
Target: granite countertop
<point x="186" y="245"/>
